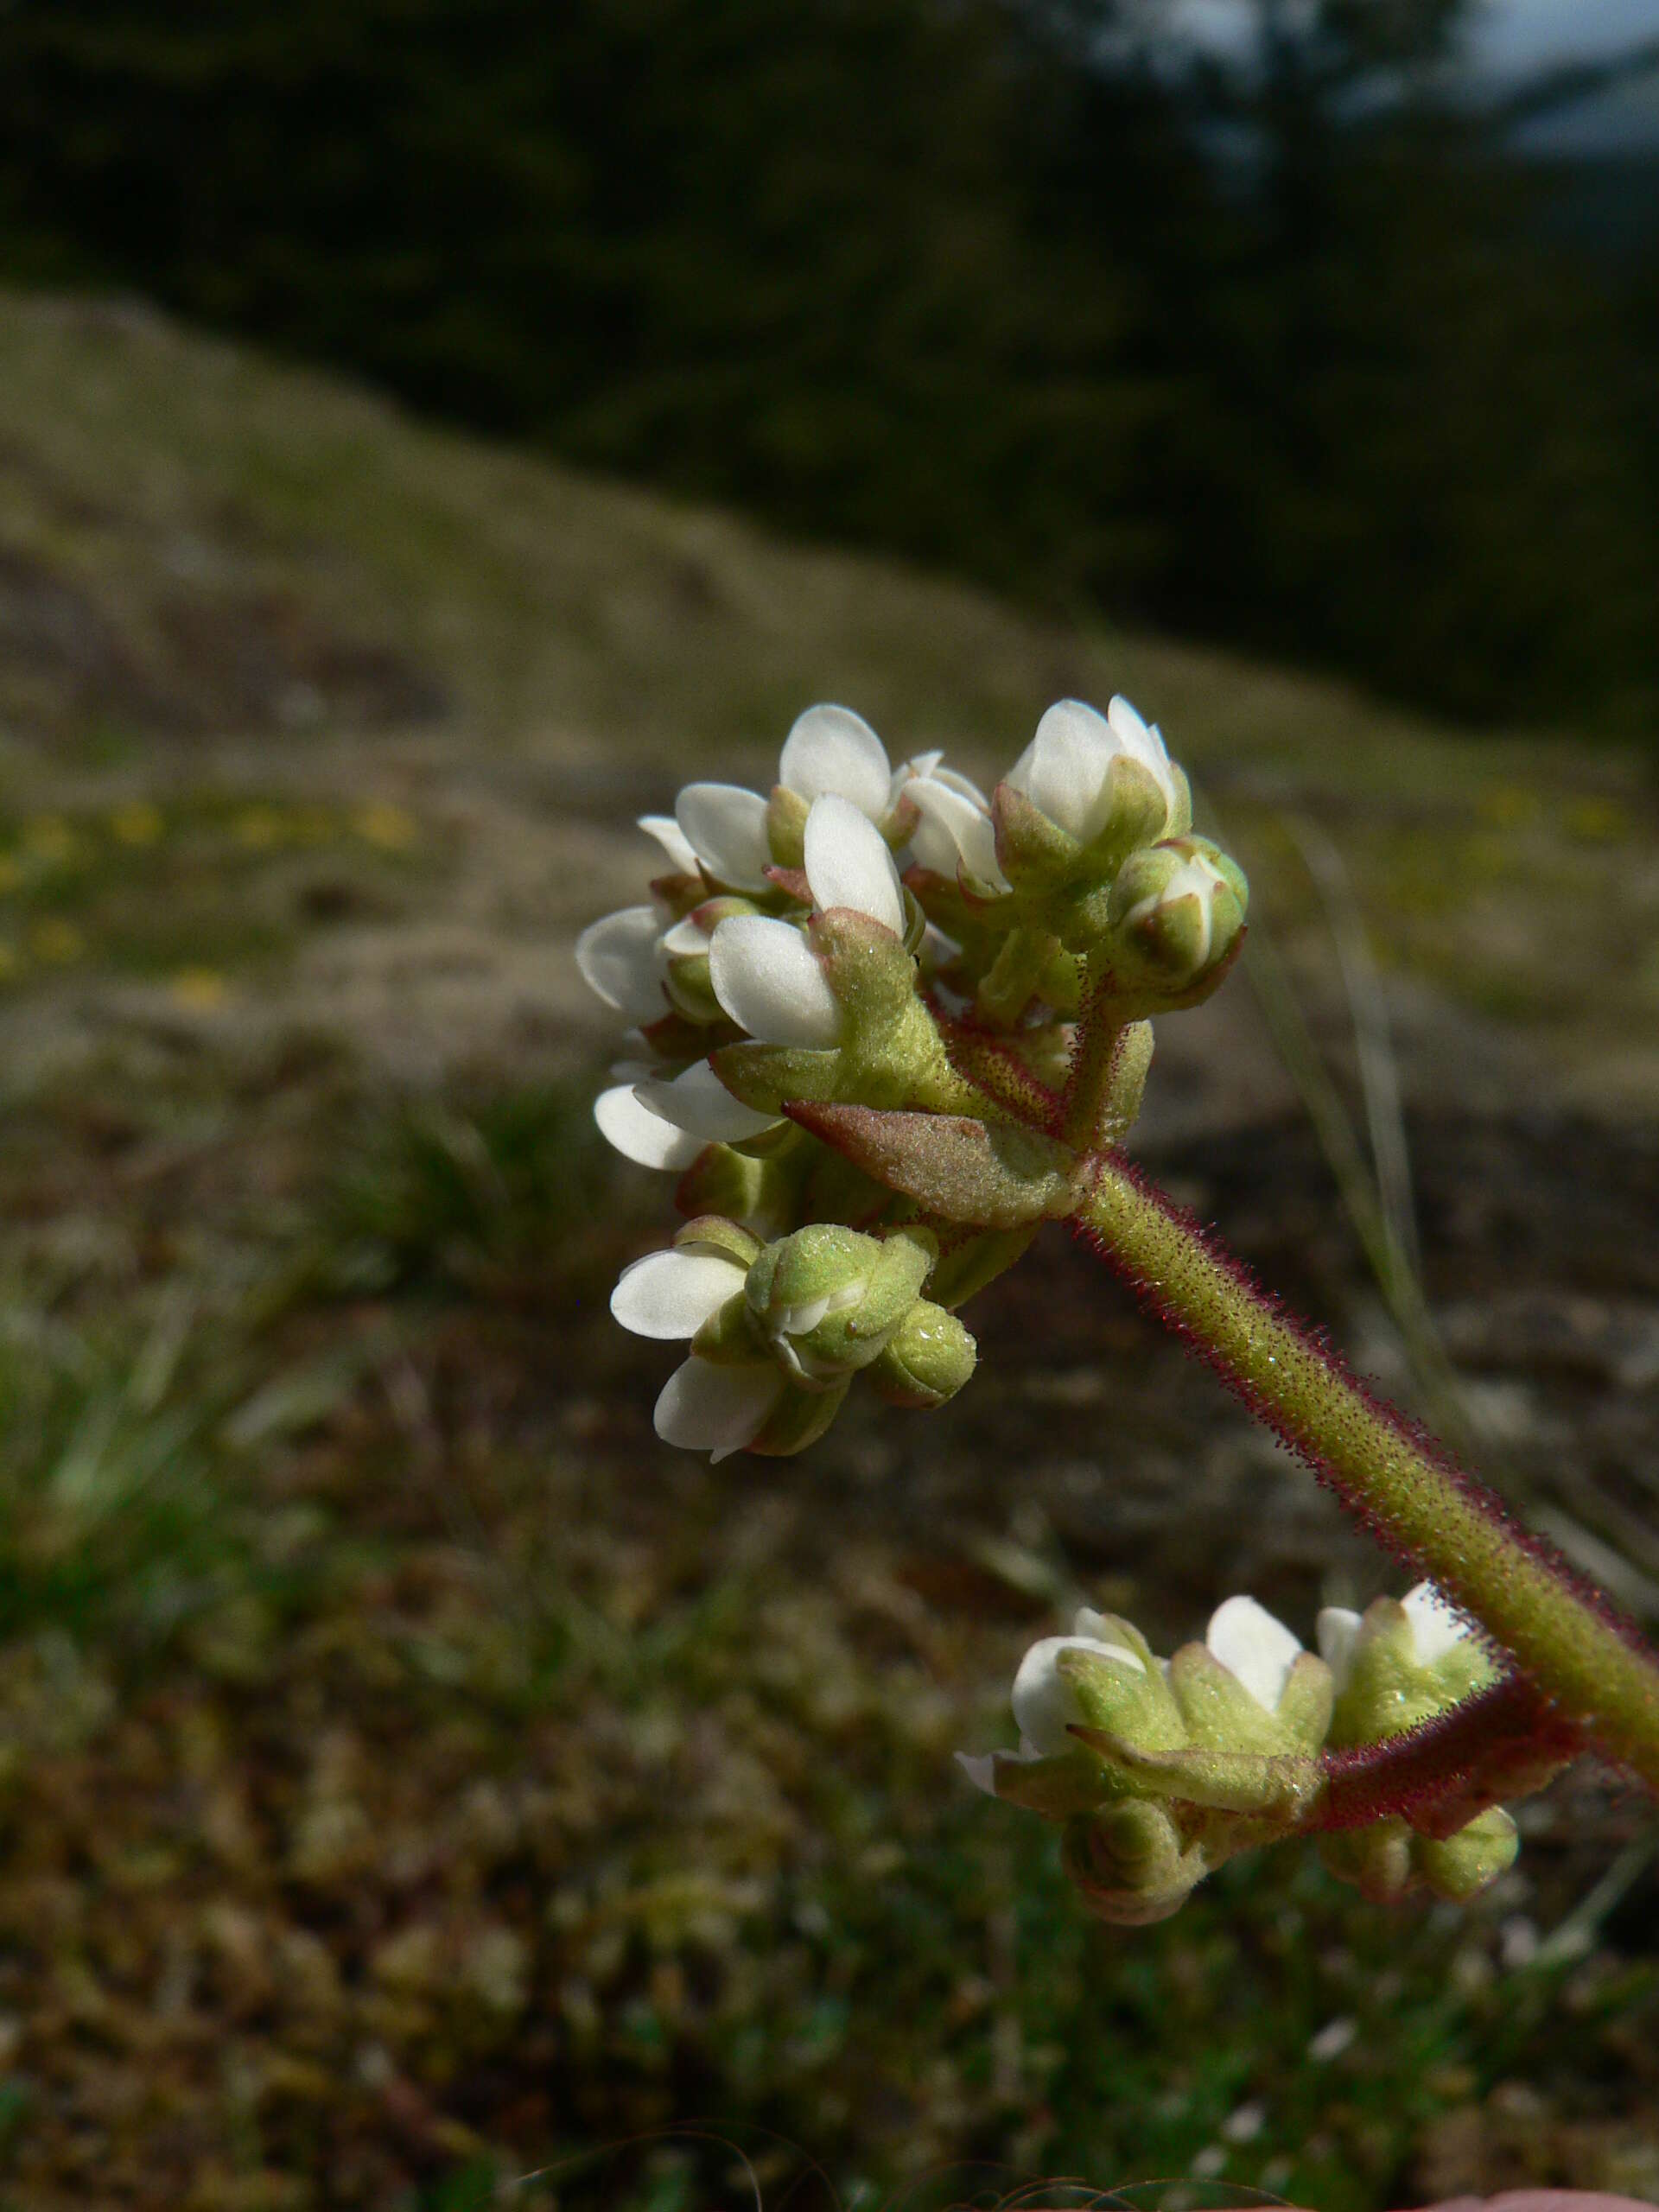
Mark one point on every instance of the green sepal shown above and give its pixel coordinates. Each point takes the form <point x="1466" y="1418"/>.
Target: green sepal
<point x="1055" y="1789"/>
<point x="713" y="1232"/>
<point x="728" y="1337"/>
<point x="1220" y="1713"/>
<point x="958" y="1169"/>
<point x="965" y="1268"/>
<point x="800" y="1419"/>
<point x="892" y="1053"/>
<point x="1034" y="853"/>
<point x="1014" y="976"/>
<point x="1137" y="815"/>
<point x="687" y="980"/>
<point x="1278" y="1788"/>
<point x="757" y="1191"/>
<point x="1129" y="1705"/>
<point x="1126" y="1088"/>
<point x="767" y="1076"/>
<point x="786" y="813"/>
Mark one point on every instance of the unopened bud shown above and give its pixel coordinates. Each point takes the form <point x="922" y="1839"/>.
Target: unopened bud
<point x="927" y="1359"/>
<point x="1456" y="1867"/>
<point x="1399" y="1663"/>
<point x="827" y="1298"/>
<point x="1129" y="1864"/>
<point x="1175" y="913"/>
<point x="1389" y="1860"/>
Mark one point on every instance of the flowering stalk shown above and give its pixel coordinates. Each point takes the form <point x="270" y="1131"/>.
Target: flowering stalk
<point x="1563" y="1634"/>
<point x="886" y="1026"/>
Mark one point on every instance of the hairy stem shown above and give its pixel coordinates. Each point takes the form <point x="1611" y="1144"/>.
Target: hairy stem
<point x="1093" y="1054"/>
<point x="1561" y="1631"/>
<point x="1505" y="1740"/>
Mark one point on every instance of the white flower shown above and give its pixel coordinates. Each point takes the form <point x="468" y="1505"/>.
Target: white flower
<point x="955" y="832"/>
<point x="1436" y="1627"/>
<point x="1254" y="1647"/>
<point x="1063" y="770"/>
<point x="764" y="974"/>
<point x="1044" y="1703"/>
<point x="702" y="1407"/>
<point x="830" y="751"/>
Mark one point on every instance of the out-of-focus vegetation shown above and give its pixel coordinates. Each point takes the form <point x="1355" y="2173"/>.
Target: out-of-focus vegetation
<point x="417" y="1778"/>
<point x="1292" y="351"/>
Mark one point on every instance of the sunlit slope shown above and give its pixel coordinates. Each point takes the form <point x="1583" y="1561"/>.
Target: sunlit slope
<point x="228" y="585"/>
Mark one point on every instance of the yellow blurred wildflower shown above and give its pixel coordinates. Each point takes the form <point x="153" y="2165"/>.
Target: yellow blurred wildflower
<point x="56" y="942"/>
<point x="383" y="823"/>
<point x="52" y="841"/>
<point x="200" y="990"/>
<point x="138" y="822"/>
<point x="259" y="827"/>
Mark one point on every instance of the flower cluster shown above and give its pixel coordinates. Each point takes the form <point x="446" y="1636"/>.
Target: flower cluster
<point x="847" y="998"/>
<point x="1157" y="1771"/>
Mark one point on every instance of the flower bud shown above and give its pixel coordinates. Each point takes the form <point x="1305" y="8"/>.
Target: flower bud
<point x="1389" y="1860"/>
<point x="1129" y="1863"/>
<point x="1457" y="1867"/>
<point x="827" y="1298"/>
<point x="927" y="1359"/>
<point x="1175" y="913"/>
<point x="1400" y="1663"/>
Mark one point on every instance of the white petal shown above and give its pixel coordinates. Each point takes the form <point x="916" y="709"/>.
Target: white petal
<point x="727" y="828"/>
<point x="619" y="959"/>
<point x="939" y="949"/>
<point x="699" y="1102"/>
<point x="672" y="1293"/>
<point x="1064" y="767"/>
<point x="1143" y="742"/>
<point x="769" y="980"/>
<point x="1338" y="1633"/>
<point x="1250" y="1643"/>
<point x="673" y="839"/>
<point x="1043" y="1702"/>
<point x="980" y="1770"/>
<point x="1436" y="1623"/>
<point x="848" y="864"/>
<point x="953" y="828"/>
<point x="716" y="1409"/>
<point x="639" y="1135"/>
<point x="832" y="749"/>
<point x="920" y="764"/>
<point x="686" y="935"/>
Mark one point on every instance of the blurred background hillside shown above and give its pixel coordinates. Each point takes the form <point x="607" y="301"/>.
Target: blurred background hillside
<point x="1325" y="326"/>
<point x="429" y="434"/>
